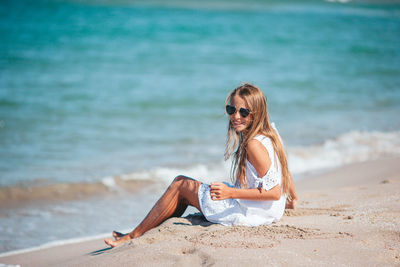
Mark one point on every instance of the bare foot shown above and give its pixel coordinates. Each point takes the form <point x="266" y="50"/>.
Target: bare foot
<point x="291" y="204"/>
<point x="119" y="238"/>
<point x="118" y="235"/>
<point x="115" y="243"/>
<point x="110" y="242"/>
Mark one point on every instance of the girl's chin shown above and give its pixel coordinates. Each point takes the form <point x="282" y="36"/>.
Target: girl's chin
<point x="239" y="129"/>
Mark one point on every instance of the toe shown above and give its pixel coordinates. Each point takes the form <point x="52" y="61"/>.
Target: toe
<point x="109" y="242"/>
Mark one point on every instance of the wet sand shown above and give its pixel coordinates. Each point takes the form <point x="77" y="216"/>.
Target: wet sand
<point x="346" y="216"/>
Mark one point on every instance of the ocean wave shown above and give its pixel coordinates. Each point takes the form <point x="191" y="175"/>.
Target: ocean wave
<point x="347" y="148"/>
<point x="14" y="195"/>
<point x="203" y="172"/>
<point x="350" y="147"/>
<point x="338" y="1"/>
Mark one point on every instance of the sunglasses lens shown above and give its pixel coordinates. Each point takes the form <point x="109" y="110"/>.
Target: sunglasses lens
<point x="244" y="112"/>
<point x="230" y="109"/>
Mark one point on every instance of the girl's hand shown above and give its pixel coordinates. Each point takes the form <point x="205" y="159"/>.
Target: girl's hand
<point x="220" y="191"/>
<point x="291" y="204"/>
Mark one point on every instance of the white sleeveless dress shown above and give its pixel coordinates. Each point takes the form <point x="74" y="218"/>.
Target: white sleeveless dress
<point x="247" y="212"/>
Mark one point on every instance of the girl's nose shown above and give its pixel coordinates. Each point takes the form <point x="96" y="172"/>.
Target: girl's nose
<point x="236" y="115"/>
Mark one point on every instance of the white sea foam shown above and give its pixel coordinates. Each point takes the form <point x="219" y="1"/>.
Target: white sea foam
<point x="345" y="149"/>
<point x="109" y="181"/>
<point x="339" y="1"/>
<point x="348" y="148"/>
<point x="205" y="173"/>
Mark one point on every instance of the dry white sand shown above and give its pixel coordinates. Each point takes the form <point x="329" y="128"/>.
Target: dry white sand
<point x="349" y="216"/>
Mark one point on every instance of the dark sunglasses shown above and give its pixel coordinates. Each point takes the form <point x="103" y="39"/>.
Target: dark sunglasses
<point x="244" y="112"/>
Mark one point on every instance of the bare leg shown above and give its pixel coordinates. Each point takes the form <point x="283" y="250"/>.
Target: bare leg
<point x="181" y="193"/>
<point x="178" y="213"/>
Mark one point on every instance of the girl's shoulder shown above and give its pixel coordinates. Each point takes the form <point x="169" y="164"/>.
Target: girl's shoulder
<point x="265" y="140"/>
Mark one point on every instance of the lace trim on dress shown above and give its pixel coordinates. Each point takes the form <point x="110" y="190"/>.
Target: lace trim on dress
<point x="217" y="206"/>
<point x="269" y="180"/>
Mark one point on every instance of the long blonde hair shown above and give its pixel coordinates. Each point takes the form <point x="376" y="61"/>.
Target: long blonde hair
<point x="259" y="124"/>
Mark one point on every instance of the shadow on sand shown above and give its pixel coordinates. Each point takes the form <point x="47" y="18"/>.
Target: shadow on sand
<point x="195" y="219"/>
<point x="192" y="220"/>
<point x="100" y="251"/>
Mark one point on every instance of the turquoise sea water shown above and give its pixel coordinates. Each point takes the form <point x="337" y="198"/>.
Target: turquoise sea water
<point x="91" y="90"/>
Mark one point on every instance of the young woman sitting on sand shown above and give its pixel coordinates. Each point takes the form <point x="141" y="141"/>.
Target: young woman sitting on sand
<point x="263" y="184"/>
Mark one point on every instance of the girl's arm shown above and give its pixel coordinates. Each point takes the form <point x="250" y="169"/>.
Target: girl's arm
<point x="221" y="191"/>
<point x="292" y="201"/>
<point x="258" y="156"/>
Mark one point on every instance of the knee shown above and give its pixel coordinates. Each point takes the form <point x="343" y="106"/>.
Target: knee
<point x="178" y="181"/>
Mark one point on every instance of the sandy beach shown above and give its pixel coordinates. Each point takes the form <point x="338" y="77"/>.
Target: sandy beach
<point x="104" y="103"/>
<point x="347" y="216"/>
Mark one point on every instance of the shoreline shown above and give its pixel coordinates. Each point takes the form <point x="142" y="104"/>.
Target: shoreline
<point x="334" y="215"/>
<point x="50" y="245"/>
